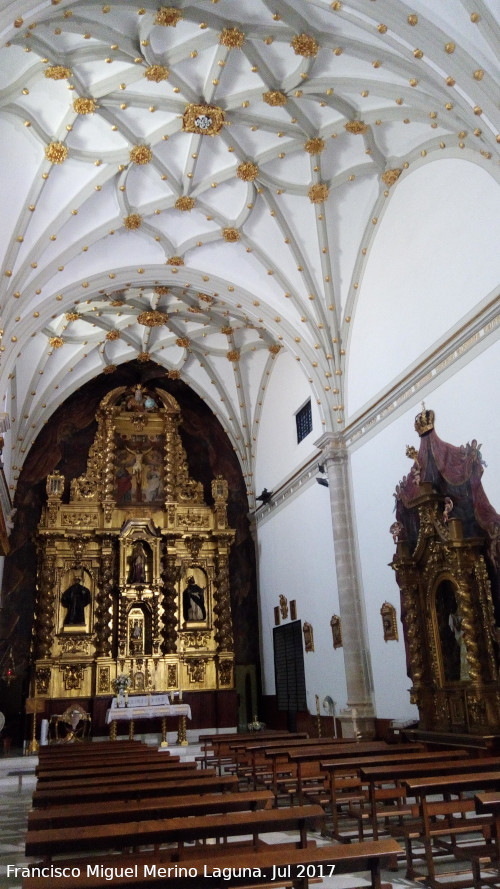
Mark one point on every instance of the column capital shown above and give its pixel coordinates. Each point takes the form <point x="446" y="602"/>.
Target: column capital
<point x="333" y="447"/>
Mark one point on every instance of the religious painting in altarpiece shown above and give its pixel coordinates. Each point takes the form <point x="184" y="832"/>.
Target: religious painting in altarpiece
<point x="133" y="571"/>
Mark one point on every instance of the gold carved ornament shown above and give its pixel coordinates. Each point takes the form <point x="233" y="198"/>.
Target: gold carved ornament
<point x="247" y="171"/>
<point x="391" y="176"/>
<point x="305" y="45"/>
<point x="275" y="98"/>
<point x="133" y="221"/>
<point x="156" y="73"/>
<point x="196" y="669"/>
<point x="314" y="146"/>
<point x="195" y="639"/>
<point x="56" y="152"/>
<point x="231" y="235"/>
<point x="318" y="193"/>
<point x="140" y="155"/>
<point x="225" y="672"/>
<point x="84" y="105"/>
<point x="172" y="676"/>
<point x="58" y="72"/>
<point x="152" y="318"/>
<point x="205" y="120"/>
<point x="356" y="127"/>
<point x="168" y="16"/>
<point x="232" y="38"/>
<point x="184" y="203"/>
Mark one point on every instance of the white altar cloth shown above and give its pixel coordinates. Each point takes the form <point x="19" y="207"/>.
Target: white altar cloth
<point x="144" y="711"/>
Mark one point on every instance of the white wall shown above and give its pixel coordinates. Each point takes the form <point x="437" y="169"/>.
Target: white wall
<point x="296" y="559"/>
<point x="434" y="258"/>
<point x="277" y="453"/>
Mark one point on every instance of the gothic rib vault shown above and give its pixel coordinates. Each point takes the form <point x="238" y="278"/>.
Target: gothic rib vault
<point x="200" y="185"/>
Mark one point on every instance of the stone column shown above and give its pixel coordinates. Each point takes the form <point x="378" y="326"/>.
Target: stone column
<point x="359" y="715"/>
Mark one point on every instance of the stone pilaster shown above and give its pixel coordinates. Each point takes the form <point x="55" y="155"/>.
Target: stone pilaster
<point x="359" y="716"/>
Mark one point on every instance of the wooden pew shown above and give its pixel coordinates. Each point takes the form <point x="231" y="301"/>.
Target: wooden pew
<point x="446" y="763"/>
<point x="259" y="869"/>
<point x="90" y="773"/>
<point x="308" y="767"/>
<point x="47" y="751"/>
<point x="276" y="759"/>
<point x="111" y="811"/>
<point x="445" y="822"/>
<point x="485" y="855"/>
<point x="251" y="757"/>
<point x="52" y="764"/>
<point x="291" y="769"/>
<point x="350" y="781"/>
<point x="217" y="748"/>
<point x="456" y="784"/>
<point x="122" y="835"/>
<point x="456" y="818"/>
<point x="202" y="781"/>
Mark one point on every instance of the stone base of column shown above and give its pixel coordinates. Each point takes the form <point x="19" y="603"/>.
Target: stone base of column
<point x="358" y="722"/>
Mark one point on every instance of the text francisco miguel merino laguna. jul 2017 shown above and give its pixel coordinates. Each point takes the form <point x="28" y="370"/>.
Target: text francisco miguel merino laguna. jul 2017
<point x="55" y="872"/>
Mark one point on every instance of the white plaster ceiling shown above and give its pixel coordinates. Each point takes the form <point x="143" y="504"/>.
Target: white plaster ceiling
<point x="250" y="240"/>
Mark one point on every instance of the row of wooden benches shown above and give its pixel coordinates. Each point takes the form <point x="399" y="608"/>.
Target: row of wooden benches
<point x="384" y="792"/>
<point x="119" y="797"/>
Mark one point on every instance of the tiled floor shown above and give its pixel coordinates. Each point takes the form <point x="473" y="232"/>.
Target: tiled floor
<point x="15" y="802"/>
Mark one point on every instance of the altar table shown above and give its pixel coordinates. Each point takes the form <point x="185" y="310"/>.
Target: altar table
<point x="148" y="707"/>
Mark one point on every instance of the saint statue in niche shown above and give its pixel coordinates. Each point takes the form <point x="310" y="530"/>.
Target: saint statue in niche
<point x="138" y="561"/>
<point x="453" y="648"/>
<point x="75" y="599"/>
<point x="136" y="644"/>
<point x="138" y="473"/>
<point x="193" y="601"/>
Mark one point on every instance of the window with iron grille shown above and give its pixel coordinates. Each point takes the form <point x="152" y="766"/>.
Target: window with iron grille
<point x="303" y="419"/>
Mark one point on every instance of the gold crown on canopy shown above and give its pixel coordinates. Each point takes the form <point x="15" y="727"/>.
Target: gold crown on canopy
<point x="424" y="421"/>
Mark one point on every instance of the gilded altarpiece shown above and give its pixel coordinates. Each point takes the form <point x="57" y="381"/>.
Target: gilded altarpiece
<point x="446" y="567"/>
<point x="133" y="571"/>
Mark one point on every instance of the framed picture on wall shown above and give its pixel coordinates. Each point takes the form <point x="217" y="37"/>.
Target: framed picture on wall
<point x="389" y="623"/>
<point x="336" y="631"/>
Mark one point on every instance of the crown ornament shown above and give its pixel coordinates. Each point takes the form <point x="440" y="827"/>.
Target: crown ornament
<point x="424" y="421"/>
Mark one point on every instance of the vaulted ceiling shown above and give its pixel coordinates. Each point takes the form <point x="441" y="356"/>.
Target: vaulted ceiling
<point x="199" y="184"/>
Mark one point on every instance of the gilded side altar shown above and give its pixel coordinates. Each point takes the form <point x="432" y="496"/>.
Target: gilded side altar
<point x="133" y="571"/>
